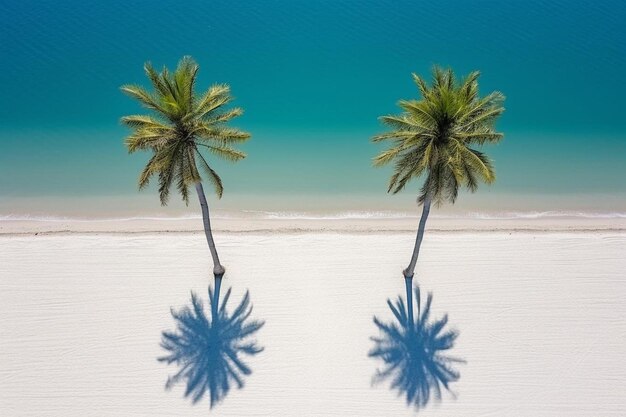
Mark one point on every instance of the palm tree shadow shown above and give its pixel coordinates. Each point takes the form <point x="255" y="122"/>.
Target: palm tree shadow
<point x="414" y="353"/>
<point x="209" y="352"/>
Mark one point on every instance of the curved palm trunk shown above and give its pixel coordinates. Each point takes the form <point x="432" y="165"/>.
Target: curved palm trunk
<point x="410" y="270"/>
<point x="218" y="269"/>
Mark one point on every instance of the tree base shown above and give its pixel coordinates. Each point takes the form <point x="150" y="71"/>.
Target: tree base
<point x="219" y="271"/>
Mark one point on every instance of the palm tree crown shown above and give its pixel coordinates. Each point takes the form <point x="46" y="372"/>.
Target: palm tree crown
<point x="180" y="126"/>
<point x="434" y="135"/>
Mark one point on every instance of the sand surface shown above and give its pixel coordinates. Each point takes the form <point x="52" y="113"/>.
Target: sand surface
<point x="542" y="321"/>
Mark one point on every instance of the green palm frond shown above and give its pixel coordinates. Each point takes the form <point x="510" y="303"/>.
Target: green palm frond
<point x="137" y="121"/>
<point x="212" y="176"/>
<point x="225" y="152"/>
<point x="147" y="100"/>
<point x="149" y="170"/>
<point x="396" y="134"/>
<point x="387" y="156"/>
<point x="420" y="113"/>
<point x="421" y="85"/>
<point x="224" y="117"/>
<point x="144" y="139"/>
<point x="215" y="97"/>
<point x="480" y="164"/>
<point x="469" y="88"/>
<point x="159" y="85"/>
<point x="216" y="133"/>
<point x="180" y="123"/>
<point x="432" y="136"/>
<point x="183" y="173"/>
<point x="409" y="165"/>
<point x="400" y="123"/>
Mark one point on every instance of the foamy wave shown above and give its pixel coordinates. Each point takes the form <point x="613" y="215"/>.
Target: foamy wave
<point x="339" y="215"/>
<point x="63" y="219"/>
<point x="530" y="215"/>
<point x="382" y="215"/>
<point x="344" y="215"/>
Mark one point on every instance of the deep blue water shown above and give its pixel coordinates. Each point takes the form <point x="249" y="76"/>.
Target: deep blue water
<point x="313" y="76"/>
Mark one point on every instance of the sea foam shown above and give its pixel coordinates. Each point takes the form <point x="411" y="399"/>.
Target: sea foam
<point x="338" y="215"/>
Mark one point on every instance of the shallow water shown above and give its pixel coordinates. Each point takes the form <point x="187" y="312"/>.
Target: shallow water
<point x="313" y="78"/>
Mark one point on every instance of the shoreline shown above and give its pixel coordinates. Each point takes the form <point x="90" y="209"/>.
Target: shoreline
<point x="297" y="226"/>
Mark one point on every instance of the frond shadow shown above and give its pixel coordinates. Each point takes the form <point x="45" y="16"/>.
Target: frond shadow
<point x="414" y="353"/>
<point x="209" y="351"/>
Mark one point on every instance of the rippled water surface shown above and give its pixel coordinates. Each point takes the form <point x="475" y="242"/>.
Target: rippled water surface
<point x="313" y="76"/>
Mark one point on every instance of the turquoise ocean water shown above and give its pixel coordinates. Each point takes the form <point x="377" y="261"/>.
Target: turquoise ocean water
<point x="313" y="76"/>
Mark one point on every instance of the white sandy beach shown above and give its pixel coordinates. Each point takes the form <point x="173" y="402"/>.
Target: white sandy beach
<point x="540" y="315"/>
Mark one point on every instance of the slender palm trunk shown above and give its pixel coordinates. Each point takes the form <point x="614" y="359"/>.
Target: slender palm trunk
<point x="218" y="269"/>
<point x="410" y="270"/>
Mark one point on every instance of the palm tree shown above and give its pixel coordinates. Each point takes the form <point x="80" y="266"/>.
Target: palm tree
<point x="181" y="125"/>
<point x="434" y="137"/>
